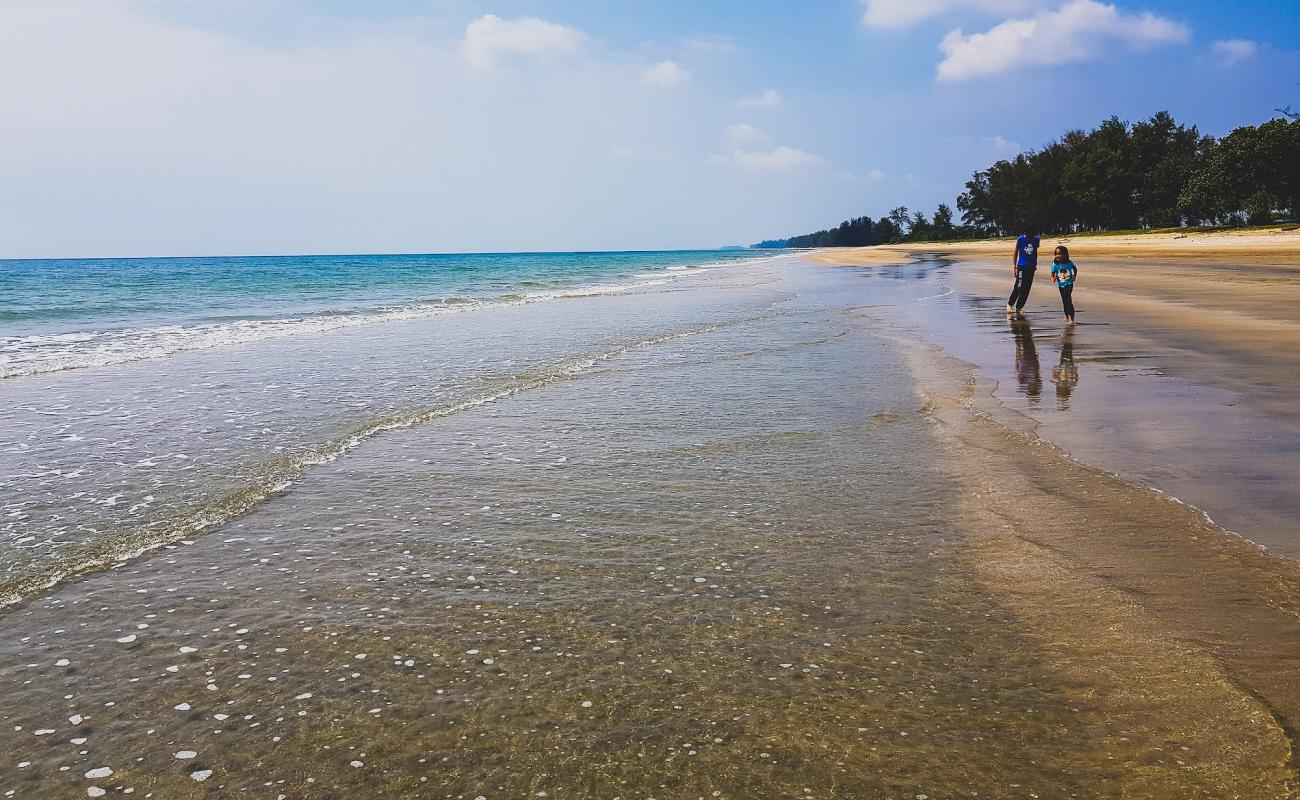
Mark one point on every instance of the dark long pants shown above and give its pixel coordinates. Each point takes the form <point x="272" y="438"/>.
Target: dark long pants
<point x="1020" y="292"/>
<point x="1067" y="300"/>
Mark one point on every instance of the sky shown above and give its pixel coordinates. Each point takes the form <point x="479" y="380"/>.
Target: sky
<point x="206" y="127"/>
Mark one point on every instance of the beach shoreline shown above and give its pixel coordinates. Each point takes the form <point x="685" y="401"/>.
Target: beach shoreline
<point x="746" y="534"/>
<point x="1194" y="629"/>
<point x="1195" y="360"/>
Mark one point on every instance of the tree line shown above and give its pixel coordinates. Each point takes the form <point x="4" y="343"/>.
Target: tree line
<point x="1157" y="173"/>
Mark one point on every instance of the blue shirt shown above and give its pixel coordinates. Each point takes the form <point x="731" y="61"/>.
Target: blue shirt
<point x="1064" y="273"/>
<point x="1027" y="252"/>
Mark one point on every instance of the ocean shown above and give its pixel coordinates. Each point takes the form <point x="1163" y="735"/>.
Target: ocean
<point x="621" y="525"/>
<point x="69" y="313"/>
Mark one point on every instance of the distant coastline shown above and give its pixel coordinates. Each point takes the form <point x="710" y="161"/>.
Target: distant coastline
<point x="1151" y="175"/>
<point x="1263" y="245"/>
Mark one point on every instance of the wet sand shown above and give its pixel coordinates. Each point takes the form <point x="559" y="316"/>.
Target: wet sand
<point x="1190" y="626"/>
<point x="1181" y="376"/>
<point x="1199" y="359"/>
<point x="757" y="535"/>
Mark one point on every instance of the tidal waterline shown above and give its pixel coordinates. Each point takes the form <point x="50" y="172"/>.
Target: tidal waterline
<point x="729" y="557"/>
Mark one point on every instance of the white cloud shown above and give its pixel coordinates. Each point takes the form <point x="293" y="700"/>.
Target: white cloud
<point x="665" y="75"/>
<point x="490" y="37"/>
<point x="780" y="159"/>
<point x="744" y="135"/>
<point x="1229" y="52"/>
<point x="767" y="99"/>
<point x="902" y="13"/>
<point x="1077" y="31"/>
<point x="205" y="142"/>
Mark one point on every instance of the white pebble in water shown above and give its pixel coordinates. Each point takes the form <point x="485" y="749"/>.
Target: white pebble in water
<point x="586" y="704"/>
<point x="95" y="791"/>
<point x="189" y="649"/>
<point x="201" y="774"/>
<point x="303" y="696"/>
<point x="99" y="772"/>
<point x="127" y="639"/>
<point x="185" y="755"/>
<point x="75" y="719"/>
<point x="44" y="731"/>
<point x="62" y="662"/>
<point x="182" y="707"/>
<point x="358" y="764"/>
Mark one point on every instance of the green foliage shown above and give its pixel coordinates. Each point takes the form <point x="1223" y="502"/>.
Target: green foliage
<point x="858" y="232"/>
<point x="1156" y="173"/>
<point x="1251" y="172"/>
<point x="1119" y="176"/>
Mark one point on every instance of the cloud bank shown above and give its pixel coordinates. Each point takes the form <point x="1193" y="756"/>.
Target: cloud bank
<point x="665" y="75"/>
<point x="1230" y="52"/>
<point x="1078" y="31"/>
<point x="904" y="13"/>
<point x="489" y="38"/>
<point x="770" y="98"/>
<point x="743" y="134"/>
<point x="781" y="159"/>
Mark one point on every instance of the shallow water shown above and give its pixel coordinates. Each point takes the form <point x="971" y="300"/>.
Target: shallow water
<point x="685" y="569"/>
<point x="99" y="463"/>
<point x="701" y="540"/>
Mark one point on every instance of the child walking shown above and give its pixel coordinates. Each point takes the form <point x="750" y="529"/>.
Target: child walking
<point x="1064" y="271"/>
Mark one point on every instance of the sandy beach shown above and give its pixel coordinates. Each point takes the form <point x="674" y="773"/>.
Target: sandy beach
<point x="1228" y="299"/>
<point x="1197" y="338"/>
<point x="1278" y="247"/>
<point x="1213" y="335"/>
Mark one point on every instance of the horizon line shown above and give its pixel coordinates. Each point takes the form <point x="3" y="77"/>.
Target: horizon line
<point x="722" y="248"/>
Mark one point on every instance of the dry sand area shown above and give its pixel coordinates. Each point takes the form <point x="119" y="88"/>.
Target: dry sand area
<point x="1254" y="247"/>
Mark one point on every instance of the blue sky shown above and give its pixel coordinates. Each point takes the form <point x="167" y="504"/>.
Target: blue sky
<point x="191" y="127"/>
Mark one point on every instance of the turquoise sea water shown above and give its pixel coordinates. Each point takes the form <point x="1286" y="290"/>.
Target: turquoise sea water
<point x="149" y="399"/>
<point x="70" y="313"/>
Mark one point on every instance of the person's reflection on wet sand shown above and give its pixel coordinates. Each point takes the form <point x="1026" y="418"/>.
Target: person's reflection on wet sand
<point x="1065" y="374"/>
<point x="1028" y="373"/>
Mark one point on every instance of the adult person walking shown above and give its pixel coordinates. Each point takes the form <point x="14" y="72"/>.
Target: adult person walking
<point x="1023" y="264"/>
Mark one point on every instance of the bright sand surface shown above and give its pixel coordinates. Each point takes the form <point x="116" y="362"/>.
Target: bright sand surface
<point x="773" y="530"/>
<point x="1269" y="247"/>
